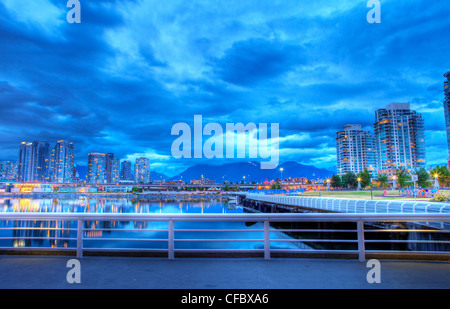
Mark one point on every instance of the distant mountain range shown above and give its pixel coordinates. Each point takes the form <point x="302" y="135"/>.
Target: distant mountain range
<point x="235" y="172"/>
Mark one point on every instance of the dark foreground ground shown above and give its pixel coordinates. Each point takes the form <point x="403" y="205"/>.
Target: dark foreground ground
<point x="25" y="272"/>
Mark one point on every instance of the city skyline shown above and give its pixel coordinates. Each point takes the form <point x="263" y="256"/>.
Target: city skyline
<point x="356" y="149"/>
<point x="119" y="80"/>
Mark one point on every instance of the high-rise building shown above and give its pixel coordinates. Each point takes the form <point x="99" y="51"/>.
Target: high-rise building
<point x="8" y="170"/>
<point x="125" y="171"/>
<point x="75" y="175"/>
<point x="142" y="170"/>
<point x="34" y="160"/>
<point x="115" y="170"/>
<point x="51" y="166"/>
<point x="399" y="138"/>
<point x="112" y="168"/>
<point x="62" y="162"/>
<point x="447" y="112"/>
<point x="24" y="169"/>
<point x="355" y="150"/>
<point x="40" y="161"/>
<point x="96" y="172"/>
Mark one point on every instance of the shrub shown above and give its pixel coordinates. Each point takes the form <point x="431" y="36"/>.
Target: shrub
<point x="440" y="197"/>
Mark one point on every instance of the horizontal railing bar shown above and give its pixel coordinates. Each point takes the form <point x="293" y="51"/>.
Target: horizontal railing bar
<point x="312" y="230"/>
<point x="406" y="252"/>
<point x="219" y="250"/>
<point x="126" y="249"/>
<point x="406" y="230"/>
<point x="408" y="241"/>
<point x="36" y="237"/>
<point x="175" y="250"/>
<point x="38" y="248"/>
<point x="225" y="230"/>
<point x="315" y="240"/>
<point x="124" y="239"/>
<point x="217" y="230"/>
<point x="37" y="228"/>
<point x="218" y="240"/>
<point x="124" y="230"/>
<point x="314" y="251"/>
<point x="256" y="217"/>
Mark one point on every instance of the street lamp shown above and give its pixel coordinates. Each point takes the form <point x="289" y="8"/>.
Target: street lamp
<point x="359" y="183"/>
<point x="436" y="181"/>
<point x="281" y="172"/>
<point x="371" y="188"/>
<point x="394" y="184"/>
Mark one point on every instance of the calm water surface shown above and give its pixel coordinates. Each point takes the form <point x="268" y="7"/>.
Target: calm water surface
<point x="135" y="235"/>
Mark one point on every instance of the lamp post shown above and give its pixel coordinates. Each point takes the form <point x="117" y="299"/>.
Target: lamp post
<point x="281" y="174"/>
<point x="359" y="183"/>
<point x="394" y="183"/>
<point x="436" y="181"/>
<point x="328" y="184"/>
<point x="371" y="188"/>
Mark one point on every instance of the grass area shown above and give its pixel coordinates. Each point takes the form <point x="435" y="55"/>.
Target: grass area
<point x="365" y="195"/>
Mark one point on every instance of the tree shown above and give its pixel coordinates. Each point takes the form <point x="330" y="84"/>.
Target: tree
<point x="402" y="176"/>
<point x="276" y="185"/>
<point x="335" y="181"/>
<point x="423" y="178"/>
<point x="383" y="179"/>
<point x="365" y="178"/>
<point x="349" y="180"/>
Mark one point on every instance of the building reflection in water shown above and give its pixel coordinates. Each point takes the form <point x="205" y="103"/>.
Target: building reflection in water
<point x="62" y="234"/>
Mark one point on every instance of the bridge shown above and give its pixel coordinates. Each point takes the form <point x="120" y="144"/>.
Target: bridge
<point x="349" y="205"/>
<point x="437" y="232"/>
<point x="355" y="206"/>
<point x="182" y="186"/>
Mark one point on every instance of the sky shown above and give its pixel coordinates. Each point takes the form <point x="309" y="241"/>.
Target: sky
<point x="119" y="80"/>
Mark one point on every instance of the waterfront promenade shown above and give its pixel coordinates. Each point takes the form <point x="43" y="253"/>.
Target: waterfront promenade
<point x="26" y="272"/>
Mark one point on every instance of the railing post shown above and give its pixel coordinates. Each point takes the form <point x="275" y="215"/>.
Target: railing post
<point x="79" y="239"/>
<point x="266" y="240"/>
<point x="171" y="240"/>
<point x="361" y="247"/>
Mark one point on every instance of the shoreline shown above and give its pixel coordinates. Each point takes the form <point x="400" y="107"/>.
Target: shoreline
<point x="155" y="195"/>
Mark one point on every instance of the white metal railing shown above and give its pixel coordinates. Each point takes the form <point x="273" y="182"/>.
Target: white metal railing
<point x="353" y="205"/>
<point x="356" y="205"/>
<point x="80" y="233"/>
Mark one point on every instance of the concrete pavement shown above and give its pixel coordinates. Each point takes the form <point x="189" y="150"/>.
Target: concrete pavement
<point x="31" y="272"/>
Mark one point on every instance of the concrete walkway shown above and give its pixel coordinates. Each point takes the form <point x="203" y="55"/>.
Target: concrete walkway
<point x="20" y="272"/>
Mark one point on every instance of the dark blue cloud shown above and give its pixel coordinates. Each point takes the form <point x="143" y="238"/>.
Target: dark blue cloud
<point x="251" y="61"/>
<point x="118" y="81"/>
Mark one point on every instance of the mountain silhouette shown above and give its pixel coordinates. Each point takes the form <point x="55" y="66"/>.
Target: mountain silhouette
<point x="235" y="172"/>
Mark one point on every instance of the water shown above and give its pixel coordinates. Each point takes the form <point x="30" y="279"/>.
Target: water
<point x="132" y="235"/>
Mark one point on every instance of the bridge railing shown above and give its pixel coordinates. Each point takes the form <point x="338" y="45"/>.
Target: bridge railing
<point x="354" y="205"/>
<point x="358" y="205"/>
<point x="19" y="232"/>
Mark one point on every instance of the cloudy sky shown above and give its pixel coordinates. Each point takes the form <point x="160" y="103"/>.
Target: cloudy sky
<point x="122" y="78"/>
